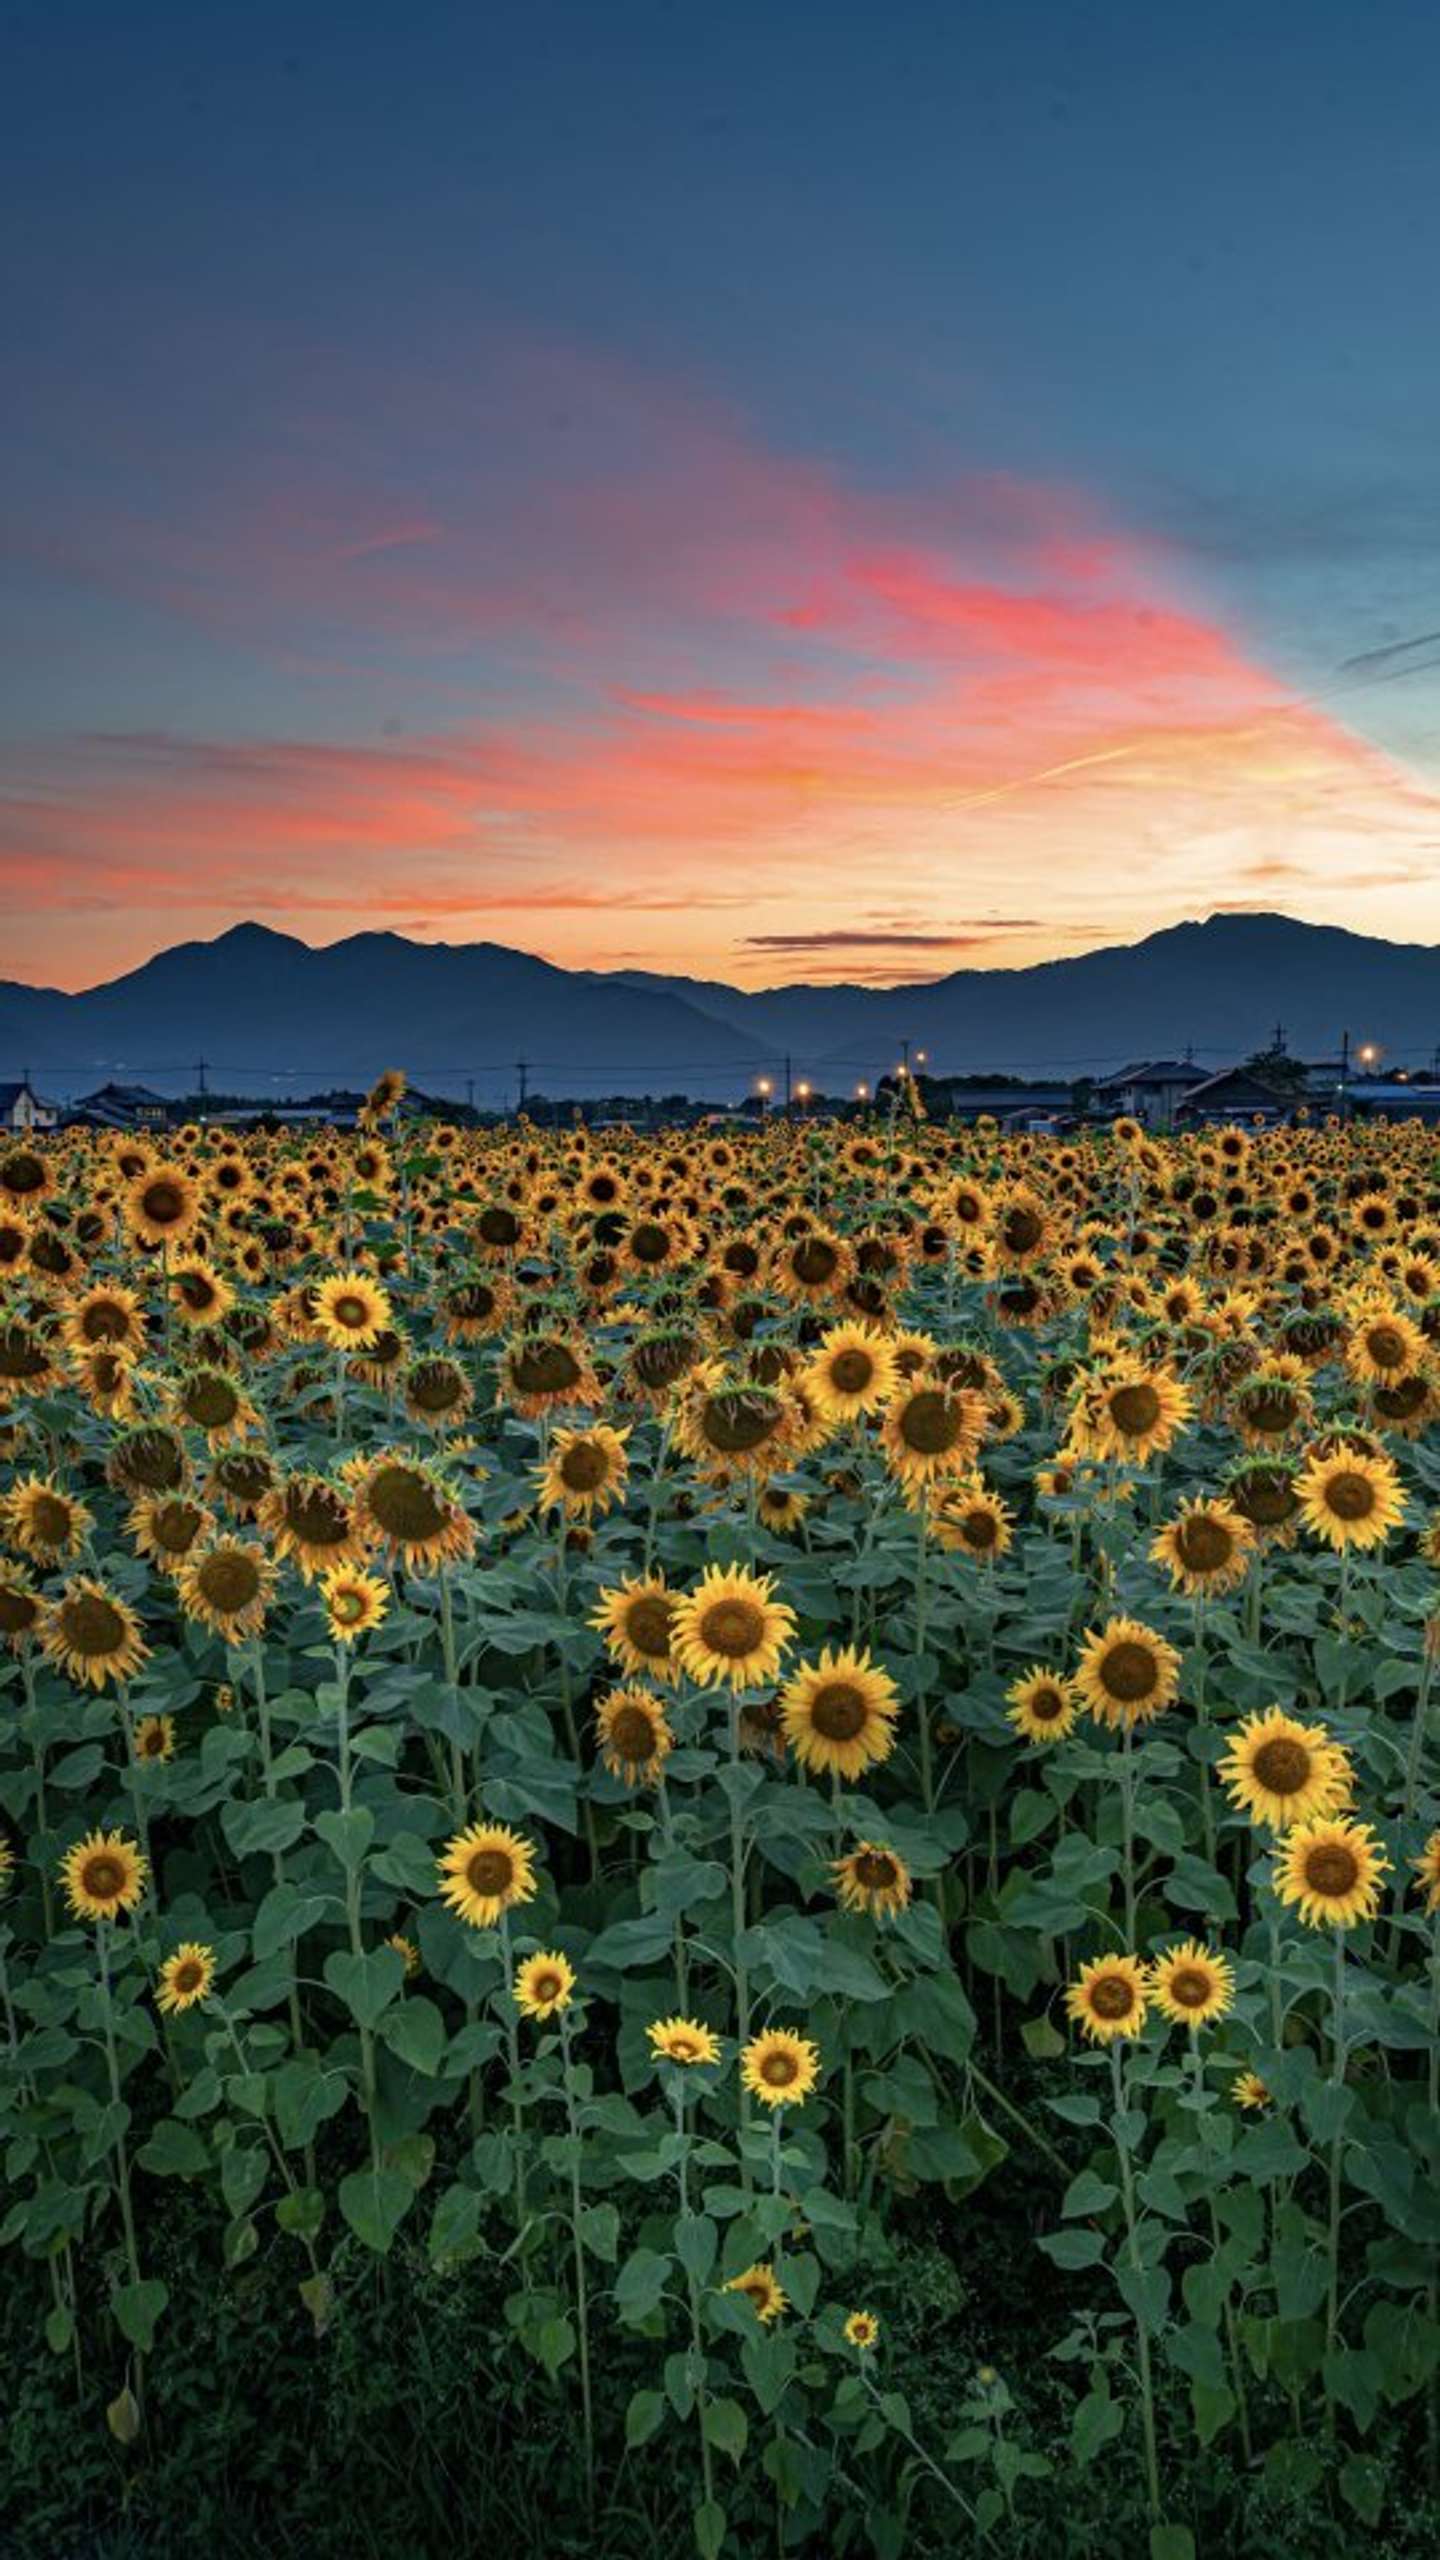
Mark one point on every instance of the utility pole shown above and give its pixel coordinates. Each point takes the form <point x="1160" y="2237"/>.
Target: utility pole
<point x="905" y="1054"/>
<point x="1277" y="1039"/>
<point x="787" y="1080"/>
<point x="1345" y="1075"/>
<point x="200" y="1085"/>
<point x="522" y="1069"/>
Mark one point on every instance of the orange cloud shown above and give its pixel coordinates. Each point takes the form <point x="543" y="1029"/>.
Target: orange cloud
<point x="730" y="708"/>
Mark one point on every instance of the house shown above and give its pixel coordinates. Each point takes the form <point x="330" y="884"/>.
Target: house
<point x="1150" y="1091"/>
<point x="21" y="1107"/>
<point x="120" y="1106"/>
<point x="1237" y="1093"/>
<point x="1387" y="1098"/>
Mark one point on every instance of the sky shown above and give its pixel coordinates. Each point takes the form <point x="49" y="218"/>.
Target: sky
<point x="767" y="492"/>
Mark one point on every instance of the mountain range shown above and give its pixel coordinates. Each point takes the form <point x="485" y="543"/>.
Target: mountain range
<point x="270" y="1015"/>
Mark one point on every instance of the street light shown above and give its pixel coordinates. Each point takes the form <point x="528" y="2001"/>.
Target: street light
<point x="862" y="1092"/>
<point x="1368" y="1053"/>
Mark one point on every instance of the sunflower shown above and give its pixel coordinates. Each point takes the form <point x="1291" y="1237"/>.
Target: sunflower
<point x="968" y="1519"/>
<point x="931" y="1430"/>
<point x="310" y="1520"/>
<point x="407" y="1951"/>
<point x="354" y="1602"/>
<point x="107" y="1317"/>
<point x="838" y="1714"/>
<point x="1206" y="1548"/>
<point x="781" y="1510"/>
<point x="26" y="1177"/>
<point x="404" y="1506"/>
<point x="154" y="1738"/>
<point x="106" y="1379"/>
<point x="761" y="2288"/>
<point x="1108" y="1998"/>
<point x="1273" y="1403"/>
<point x="227" y="1586"/>
<point x="542" y="1371"/>
<point x="1350" y="1499"/>
<point x="637" y="1620"/>
<point x="20" y="1605"/>
<point x="209" y="1401"/>
<point x="1133" y="1414"/>
<point x="1042" y="1706"/>
<point x="543" y="1986"/>
<point x="733" y="1426"/>
<point x="1127" y="1675"/>
<point x="852" y="1372"/>
<point x="162" y="1205"/>
<point x="44" y="1521"/>
<point x="103" y="1875"/>
<point x="779" y="2068"/>
<point x="683" y="2041"/>
<point x="1191" y="1986"/>
<point x="485" y="1871"/>
<point x="633" y="1735"/>
<point x="471" y="1310"/>
<point x="872" y="1879"/>
<point x="813" y="1266"/>
<point x="1383" y="1347"/>
<point x="91" y="1635"/>
<point x="585" y="1472"/>
<point x="1427" y="1869"/>
<point x="1020" y="1228"/>
<point x="1330" y="1872"/>
<point x="201" y="1297"/>
<point x="167" y="1527"/>
<point x="1280" y="1772"/>
<point x="862" y="2332"/>
<point x="1249" y="2090"/>
<point x="731" y="1628"/>
<point x="349" y="1310"/>
<point x="240" y="1480"/>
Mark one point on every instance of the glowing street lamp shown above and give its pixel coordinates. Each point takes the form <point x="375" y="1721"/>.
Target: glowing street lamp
<point x="862" y="1092"/>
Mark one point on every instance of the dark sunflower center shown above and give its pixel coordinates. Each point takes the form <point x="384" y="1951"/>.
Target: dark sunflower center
<point x="436" y="1387"/>
<point x="197" y="1291"/>
<point x="1021" y="1230"/>
<point x="1387" y="1347"/>
<point x="489" y="1872"/>
<point x="779" y="2071"/>
<point x="1273" y="1409"/>
<point x="851" y="1372"/>
<point x="317" y="1516"/>
<point x="175" y="1526"/>
<point x="351" y="1314"/>
<point x="649" y="1624"/>
<point x="91" y="1625"/>
<point x="584" y="1466"/>
<point x="980" y="1529"/>
<point x="23" y="1172"/>
<point x="499" y="1226"/>
<point x="104" y="1321"/>
<point x="405" y="1505"/>
<point x="1113" y="1996"/>
<point x="1204" y="1543"/>
<point x="1129" y="1671"/>
<point x="18" y="1611"/>
<point x="1135" y="1409"/>
<point x="1350" y="1496"/>
<point x="658" y="1364"/>
<point x="545" y="1368"/>
<point x="229" y="1580"/>
<point x="1397" y="1403"/>
<point x="546" y="1986"/>
<point x="471" y="1303"/>
<point x="163" y="1203"/>
<point x="1046" y="1705"/>
<point x="1282" y="1766"/>
<point x="732" y="1628"/>
<point x="649" y="1242"/>
<point x="189" y="1975"/>
<point x="1331" y="1870"/>
<point x="103" y="1878"/>
<point x="210" y="1402"/>
<point x="246" y="1477"/>
<point x="49" y="1519"/>
<point x="838" y="1711"/>
<point x="632" y="1733"/>
<point x="876" y="1870"/>
<point x="930" y="1423"/>
<point x="1189" y="1987"/>
<point x="737" y="1422"/>
<point x="815" y="1261"/>
<point x="1268" y="1501"/>
<point x="21" y="1356"/>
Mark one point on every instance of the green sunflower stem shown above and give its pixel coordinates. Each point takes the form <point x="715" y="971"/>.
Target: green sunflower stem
<point x="697" y="2335"/>
<point x="582" y="2307"/>
<point x="512" y="2048"/>
<point x="345" y="1773"/>
<point x="1142" y="2334"/>
<point x="122" y="2155"/>
<point x="922" y="1702"/>
<point x="1337" y="2152"/>
<point x="737" y="1932"/>
<point x="1127" y="1804"/>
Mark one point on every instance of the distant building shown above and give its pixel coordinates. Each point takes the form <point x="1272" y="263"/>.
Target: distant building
<point x="1150" y="1091"/>
<point x="1237" y="1093"/>
<point x="1374" y="1098"/>
<point x="120" y="1106"/>
<point x="21" y="1107"/>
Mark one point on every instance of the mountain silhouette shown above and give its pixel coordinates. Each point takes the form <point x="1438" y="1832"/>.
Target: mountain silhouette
<point x="270" y="1015"/>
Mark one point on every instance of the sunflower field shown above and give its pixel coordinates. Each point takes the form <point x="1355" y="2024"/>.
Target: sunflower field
<point x="764" y="1800"/>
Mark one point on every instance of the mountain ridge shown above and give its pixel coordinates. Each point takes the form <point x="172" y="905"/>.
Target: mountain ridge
<point x="268" y="1012"/>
